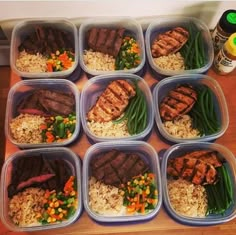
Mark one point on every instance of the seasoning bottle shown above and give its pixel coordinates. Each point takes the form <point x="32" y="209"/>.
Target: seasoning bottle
<point x="225" y="27"/>
<point x="225" y="60"/>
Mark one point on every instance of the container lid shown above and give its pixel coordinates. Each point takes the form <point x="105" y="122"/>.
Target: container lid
<point x="228" y="21"/>
<point x="230" y="45"/>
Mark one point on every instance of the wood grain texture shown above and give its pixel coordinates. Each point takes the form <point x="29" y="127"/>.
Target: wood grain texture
<point x="162" y="223"/>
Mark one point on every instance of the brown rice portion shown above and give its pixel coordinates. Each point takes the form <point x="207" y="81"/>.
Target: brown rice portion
<point x="104" y="199"/>
<point x="170" y="62"/>
<point x="181" y="127"/>
<point x="25" y="128"/>
<point x="98" y="61"/>
<point x="186" y="198"/>
<point x="26" y="207"/>
<point x="31" y="63"/>
<point x="109" y="129"/>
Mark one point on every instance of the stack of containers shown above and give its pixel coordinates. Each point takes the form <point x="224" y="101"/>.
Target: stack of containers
<point x="46" y="102"/>
<point x="107" y="138"/>
<point x="186" y="166"/>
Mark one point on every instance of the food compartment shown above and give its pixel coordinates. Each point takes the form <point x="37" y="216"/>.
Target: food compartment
<point x="190" y="108"/>
<point x="42" y="113"/>
<point x="41" y="189"/>
<point x="199" y="183"/>
<point x="111" y="45"/>
<point x="116" y="107"/>
<point x="178" y="45"/>
<point x="121" y="181"/>
<point x="45" y="48"/>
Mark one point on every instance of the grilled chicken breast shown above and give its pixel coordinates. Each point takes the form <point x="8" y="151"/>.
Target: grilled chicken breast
<point x="197" y="167"/>
<point x="179" y="101"/>
<point x="169" y="42"/>
<point x="112" y="102"/>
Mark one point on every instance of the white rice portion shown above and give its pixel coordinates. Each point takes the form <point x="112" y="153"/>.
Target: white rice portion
<point x="26" y="207"/>
<point x="109" y="129"/>
<point x="187" y="199"/>
<point x="25" y="128"/>
<point x="31" y="63"/>
<point x="170" y="62"/>
<point x="181" y="127"/>
<point x="98" y="61"/>
<point x="105" y="199"/>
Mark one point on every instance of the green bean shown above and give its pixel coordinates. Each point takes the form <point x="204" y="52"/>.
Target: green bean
<point x="196" y="50"/>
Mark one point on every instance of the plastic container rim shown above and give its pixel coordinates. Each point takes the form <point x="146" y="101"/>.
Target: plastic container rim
<point x="123" y="218"/>
<point x="33" y="82"/>
<point x="190" y="77"/>
<point x="185" y="219"/>
<point x="122" y="76"/>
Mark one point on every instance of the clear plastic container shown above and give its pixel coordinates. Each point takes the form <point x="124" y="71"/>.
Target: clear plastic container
<point x="132" y="28"/>
<point x="226" y="155"/>
<point x="95" y="86"/>
<point x="52" y="154"/>
<point x="165" y="23"/>
<point x="24" y="28"/>
<point x="162" y="88"/>
<point x="25" y="87"/>
<point x="146" y="152"/>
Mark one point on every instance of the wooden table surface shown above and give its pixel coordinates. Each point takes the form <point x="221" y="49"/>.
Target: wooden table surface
<point x="162" y="223"/>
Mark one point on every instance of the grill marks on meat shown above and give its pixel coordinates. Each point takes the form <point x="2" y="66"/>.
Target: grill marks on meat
<point x="46" y="40"/>
<point x="48" y="102"/>
<point x="112" y="102"/>
<point x="105" y="40"/>
<point x="197" y="167"/>
<point x="179" y="101"/>
<point x="38" y="171"/>
<point x="115" y="167"/>
<point x="169" y="42"/>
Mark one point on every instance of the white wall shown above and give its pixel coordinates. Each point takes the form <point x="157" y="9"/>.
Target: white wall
<point x="209" y="11"/>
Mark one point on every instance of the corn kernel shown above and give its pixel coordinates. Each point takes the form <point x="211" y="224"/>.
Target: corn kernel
<point x="54" y="219"/>
<point x="52" y="212"/>
<point x="69" y="205"/>
<point x="56" y="204"/>
<point x="59" y="209"/>
<point x="61" y="215"/>
<point x="57" y="52"/>
<point x="72" y="193"/>
<point x="147" y="191"/>
<point x="49" y="220"/>
<point x="54" y="199"/>
<point x="51" y="204"/>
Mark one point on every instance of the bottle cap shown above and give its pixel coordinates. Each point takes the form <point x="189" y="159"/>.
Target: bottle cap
<point x="230" y="45"/>
<point x="228" y="21"/>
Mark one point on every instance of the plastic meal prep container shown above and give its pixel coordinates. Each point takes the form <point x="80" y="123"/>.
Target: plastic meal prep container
<point x="162" y="88"/>
<point x="163" y="24"/>
<point x="93" y="89"/>
<point x="22" y="89"/>
<point x="146" y="152"/>
<point x="56" y="154"/>
<point x="24" y="28"/>
<point x="224" y="154"/>
<point x="132" y="28"/>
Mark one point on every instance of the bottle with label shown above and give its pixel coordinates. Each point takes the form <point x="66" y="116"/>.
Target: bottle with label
<point x="225" y="27"/>
<point x="225" y="60"/>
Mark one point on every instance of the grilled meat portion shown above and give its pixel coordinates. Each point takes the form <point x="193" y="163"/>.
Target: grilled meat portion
<point x="39" y="171"/>
<point x="46" y="40"/>
<point x="49" y="102"/>
<point x="115" y="167"/>
<point x="105" y="40"/>
<point x="169" y="42"/>
<point x="179" y="101"/>
<point x="112" y="102"/>
<point x="197" y="167"/>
